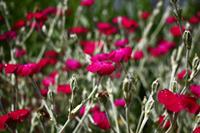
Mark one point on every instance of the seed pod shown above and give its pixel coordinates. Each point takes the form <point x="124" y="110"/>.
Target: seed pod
<point x="187" y="38"/>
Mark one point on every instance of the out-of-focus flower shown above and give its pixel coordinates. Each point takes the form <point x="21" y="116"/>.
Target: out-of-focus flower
<point x="101" y="120"/>
<point x="44" y="92"/>
<point x="196" y="130"/>
<point x="51" y="54"/>
<point x="89" y="47"/>
<point x="138" y="55"/>
<point x="162" y="48"/>
<point x="19" y="52"/>
<point x="161" y="122"/>
<point x="171" y="19"/>
<point x="174" y="104"/>
<point x="50" y="79"/>
<point x="144" y="15"/>
<point x="121" y="42"/>
<point x="82" y="110"/>
<point x="106" y="28"/>
<point x="121" y="54"/>
<point x="175" y="31"/>
<point x="19" y="115"/>
<point x="78" y="30"/>
<point x="194" y="20"/>
<point x="120" y="102"/>
<point x="181" y="75"/>
<point x="101" y="68"/>
<point x="87" y="2"/>
<point x="195" y="89"/>
<point x="64" y="88"/>
<point x="72" y="64"/>
<point x="11" y="68"/>
<point x="3" y="120"/>
<point x="100" y="57"/>
<point x="19" y="24"/>
<point x="27" y="69"/>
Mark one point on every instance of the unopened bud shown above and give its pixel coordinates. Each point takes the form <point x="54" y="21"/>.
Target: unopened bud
<point x="187" y="39"/>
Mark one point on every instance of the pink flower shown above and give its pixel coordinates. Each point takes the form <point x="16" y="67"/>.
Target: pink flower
<point x="19" y="52"/>
<point x="195" y="89"/>
<point x="162" y="48"/>
<point x="101" y="68"/>
<point x="196" y="130"/>
<point x="19" y="115"/>
<point x="3" y="120"/>
<point x="121" y="42"/>
<point x="64" y="88"/>
<point x="161" y="122"/>
<point x="138" y="55"/>
<point x="121" y="54"/>
<point x="44" y="92"/>
<point x="171" y="19"/>
<point x="106" y="28"/>
<point x="78" y="30"/>
<point x="100" y="57"/>
<point x="181" y="75"/>
<point x="175" y="31"/>
<point x="120" y="102"/>
<point x="19" y="24"/>
<point x="101" y="120"/>
<point x="27" y="69"/>
<point x="174" y="104"/>
<point x="50" y="80"/>
<point x="51" y="54"/>
<point x="194" y="20"/>
<point x="145" y="15"/>
<point x="87" y="2"/>
<point x="88" y="47"/>
<point x="72" y="64"/>
<point x="11" y="68"/>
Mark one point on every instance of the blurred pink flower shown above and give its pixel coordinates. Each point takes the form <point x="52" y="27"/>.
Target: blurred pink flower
<point x="195" y="89"/>
<point x="101" y="120"/>
<point x="72" y="64"/>
<point x="101" y="68"/>
<point x="78" y="30"/>
<point x="145" y="15"/>
<point x="175" y="31"/>
<point x="64" y="89"/>
<point x="181" y="75"/>
<point x="19" y="52"/>
<point x="120" y="102"/>
<point x="138" y="55"/>
<point x="121" y="42"/>
<point x="121" y="54"/>
<point x="171" y="19"/>
<point x="87" y="2"/>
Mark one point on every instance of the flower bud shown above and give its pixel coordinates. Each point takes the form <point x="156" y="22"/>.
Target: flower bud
<point x="187" y="38"/>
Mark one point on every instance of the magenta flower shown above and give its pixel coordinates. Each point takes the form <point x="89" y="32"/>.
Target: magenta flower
<point x="138" y="55"/>
<point x="195" y="89"/>
<point x="174" y="104"/>
<point x="72" y="64"/>
<point x="64" y="89"/>
<point x="120" y="102"/>
<point x="51" y="54"/>
<point x="101" y="120"/>
<point x="82" y="110"/>
<point x="175" y="31"/>
<point x="121" y="42"/>
<point x="87" y="2"/>
<point x="19" y="24"/>
<point x="100" y="57"/>
<point x="11" y="68"/>
<point x="19" y="52"/>
<point x="3" y="120"/>
<point x="50" y="79"/>
<point x="181" y="75"/>
<point x="145" y="15"/>
<point x="78" y="30"/>
<point x="196" y="130"/>
<point x="171" y="19"/>
<point x="89" y="47"/>
<point x="106" y="28"/>
<point x="27" y="69"/>
<point x="121" y="54"/>
<point x="19" y="115"/>
<point x="161" y="122"/>
<point x="101" y="68"/>
<point x="44" y="92"/>
<point x="194" y="20"/>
